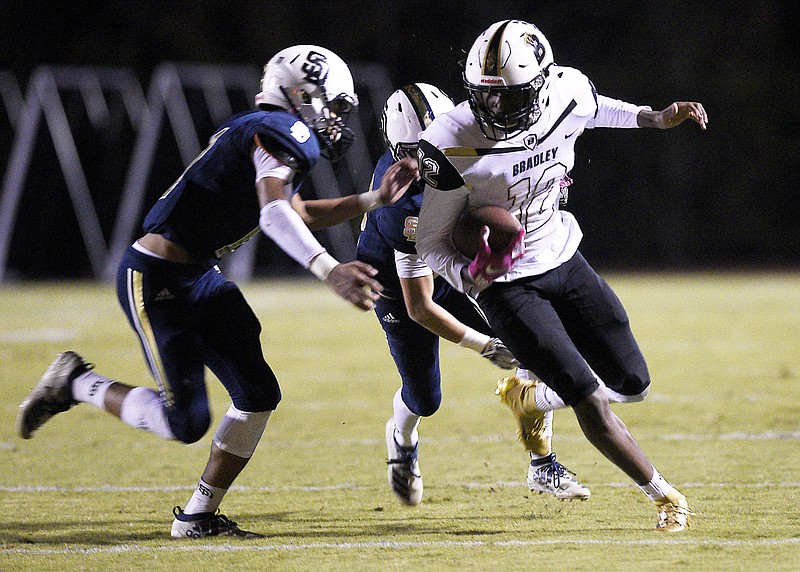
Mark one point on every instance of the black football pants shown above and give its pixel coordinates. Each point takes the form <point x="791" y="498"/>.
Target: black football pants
<point x="565" y="323"/>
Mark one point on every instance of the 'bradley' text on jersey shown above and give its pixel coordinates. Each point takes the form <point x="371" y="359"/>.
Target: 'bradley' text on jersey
<point x="534" y="161"/>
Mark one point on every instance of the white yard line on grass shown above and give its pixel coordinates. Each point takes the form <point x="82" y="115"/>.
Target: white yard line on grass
<point x="352" y="486"/>
<point x="738" y="436"/>
<point x="384" y="544"/>
<point x="37" y="336"/>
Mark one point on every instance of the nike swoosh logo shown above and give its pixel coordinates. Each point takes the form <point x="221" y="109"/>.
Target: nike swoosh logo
<point x="570" y="135"/>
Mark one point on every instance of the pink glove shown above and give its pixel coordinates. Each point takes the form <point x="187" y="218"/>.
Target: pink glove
<point x="488" y="265"/>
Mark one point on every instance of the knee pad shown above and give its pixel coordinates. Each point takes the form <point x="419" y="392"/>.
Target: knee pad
<point x="240" y="431"/>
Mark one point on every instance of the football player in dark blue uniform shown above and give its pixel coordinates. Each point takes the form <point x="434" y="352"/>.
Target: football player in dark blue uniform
<point x="187" y="315"/>
<point x="416" y="309"/>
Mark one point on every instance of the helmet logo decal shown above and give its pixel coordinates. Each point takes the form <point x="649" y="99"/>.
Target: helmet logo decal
<point x="300" y="132"/>
<point x="420" y="105"/>
<point x="492" y="63"/>
<point x="316" y="68"/>
<point x="538" y="48"/>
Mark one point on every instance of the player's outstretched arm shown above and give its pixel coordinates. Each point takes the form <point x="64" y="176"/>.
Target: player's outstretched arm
<point x="324" y="213"/>
<point x="280" y="222"/>
<point x="673" y="115"/>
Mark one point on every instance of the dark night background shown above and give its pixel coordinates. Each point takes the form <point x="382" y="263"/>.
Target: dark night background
<point x="646" y="199"/>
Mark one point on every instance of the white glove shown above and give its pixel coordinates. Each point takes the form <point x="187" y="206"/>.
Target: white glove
<point x="497" y="353"/>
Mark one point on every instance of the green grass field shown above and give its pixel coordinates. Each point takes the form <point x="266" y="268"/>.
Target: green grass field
<point x="722" y="423"/>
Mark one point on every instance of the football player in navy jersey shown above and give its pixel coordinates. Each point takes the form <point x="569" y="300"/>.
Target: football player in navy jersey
<point x="187" y="315"/>
<point x="416" y="309"/>
<point x="512" y="144"/>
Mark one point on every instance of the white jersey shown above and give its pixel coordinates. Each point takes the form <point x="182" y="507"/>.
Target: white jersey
<point x="463" y="170"/>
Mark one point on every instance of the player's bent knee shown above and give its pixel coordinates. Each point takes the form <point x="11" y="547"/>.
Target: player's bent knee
<point x="623" y="398"/>
<point x="189" y="427"/>
<point x="640" y="396"/>
<point x="636" y="388"/>
<point x="240" y="431"/>
<point x="630" y="388"/>
<point x="266" y="397"/>
<point x="429" y="409"/>
<point x="427" y="406"/>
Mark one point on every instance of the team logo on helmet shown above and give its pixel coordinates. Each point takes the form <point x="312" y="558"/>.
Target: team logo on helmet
<point x="538" y="48"/>
<point x="316" y="68"/>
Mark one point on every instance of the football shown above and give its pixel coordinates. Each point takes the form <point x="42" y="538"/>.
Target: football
<point x="503" y="228"/>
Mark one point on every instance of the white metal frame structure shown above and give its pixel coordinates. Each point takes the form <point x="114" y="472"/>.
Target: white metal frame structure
<point x="10" y="96"/>
<point x="44" y="101"/>
<point x="166" y="100"/>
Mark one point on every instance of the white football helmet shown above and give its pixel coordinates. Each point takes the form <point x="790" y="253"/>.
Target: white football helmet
<point x="504" y="75"/>
<point x="315" y="84"/>
<point x="407" y="113"/>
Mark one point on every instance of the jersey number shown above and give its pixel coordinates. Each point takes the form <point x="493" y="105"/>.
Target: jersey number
<point x="535" y="199"/>
<point x="428" y="170"/>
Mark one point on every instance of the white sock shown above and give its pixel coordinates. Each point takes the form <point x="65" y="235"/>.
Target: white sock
<point x="142" y="408"/>
<point x="405" y="421"/>
<point x="546" y="399"/>
<point x="657" y="488"/>
<point x="90" y="387"/>
<point x="204" y="499"/>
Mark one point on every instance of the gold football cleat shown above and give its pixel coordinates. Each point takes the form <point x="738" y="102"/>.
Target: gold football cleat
<point x="674" y="513"/>
<point x="518" y="394"/>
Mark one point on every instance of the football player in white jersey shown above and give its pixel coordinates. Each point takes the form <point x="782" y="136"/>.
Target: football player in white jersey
<point x="416" y="308"/>
<point x="512" y="144"/>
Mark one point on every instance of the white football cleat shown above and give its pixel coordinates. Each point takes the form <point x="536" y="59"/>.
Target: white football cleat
<point x="549" y="476"/>
<point x="405" y="478"/>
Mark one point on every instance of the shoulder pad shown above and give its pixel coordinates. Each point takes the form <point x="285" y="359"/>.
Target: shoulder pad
<point x="436" y="170"/>
<point x="444" y="130"/>
<point x="570" y="84"/>
<point x="288" y="139"/>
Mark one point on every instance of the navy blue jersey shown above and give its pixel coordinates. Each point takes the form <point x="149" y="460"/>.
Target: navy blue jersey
<point x="213" y="208"/>
<point x="390" y="228"/>
<point x="415" y="349"/>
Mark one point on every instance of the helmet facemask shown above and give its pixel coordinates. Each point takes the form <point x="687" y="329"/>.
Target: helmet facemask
<point x="504" y="112"/>
<point x="326" y="118"/>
